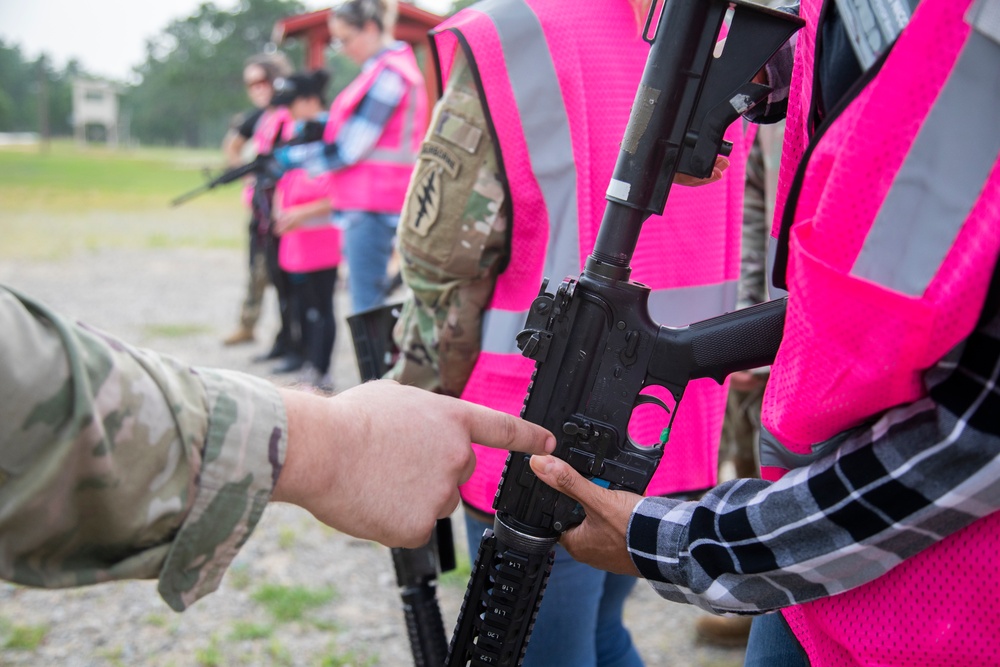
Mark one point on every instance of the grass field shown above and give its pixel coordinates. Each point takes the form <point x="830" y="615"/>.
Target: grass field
<point x="73" y="199"/>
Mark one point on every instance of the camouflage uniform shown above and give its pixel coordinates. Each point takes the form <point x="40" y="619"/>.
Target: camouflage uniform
<point x="118" y="463"/>
<point x="452" y="240"/>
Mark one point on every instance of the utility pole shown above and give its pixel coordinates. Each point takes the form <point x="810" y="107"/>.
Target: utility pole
<point x="44" y="131"/>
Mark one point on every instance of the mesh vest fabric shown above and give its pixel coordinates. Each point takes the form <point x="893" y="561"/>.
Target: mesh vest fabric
<point x="695" y="244"/>
<point x="854" y="347"/>
<point x="378" y="182"/>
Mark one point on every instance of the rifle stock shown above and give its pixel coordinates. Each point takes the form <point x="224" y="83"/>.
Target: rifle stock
<point x="593" y="340"/>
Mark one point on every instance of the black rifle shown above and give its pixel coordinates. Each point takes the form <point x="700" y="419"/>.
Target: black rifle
<point x="416" y="569"/>
<point x="311" y="131"/>
<point x="593" y="340"/>
<point x="255" y="166"/>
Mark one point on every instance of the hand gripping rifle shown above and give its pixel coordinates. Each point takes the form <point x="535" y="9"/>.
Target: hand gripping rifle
<point x="416" y="569"/>
<point x="593" y="341"/>
<point x="261" y="165"/>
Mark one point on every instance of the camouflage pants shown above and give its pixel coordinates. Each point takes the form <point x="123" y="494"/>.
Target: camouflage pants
<point x="257" y="282"/>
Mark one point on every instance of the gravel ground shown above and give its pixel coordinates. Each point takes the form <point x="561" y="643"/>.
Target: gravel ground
<point x="182" y="301"/>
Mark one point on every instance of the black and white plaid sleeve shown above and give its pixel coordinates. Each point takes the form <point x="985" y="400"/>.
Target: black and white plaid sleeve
<point x="921" y="472"/>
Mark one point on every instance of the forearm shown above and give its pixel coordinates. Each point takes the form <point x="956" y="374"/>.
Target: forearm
<point x="232" y="148"/>
<point x="119" y="463"/>
<point x="889" y="492"/>
<point x="356" y="137"/>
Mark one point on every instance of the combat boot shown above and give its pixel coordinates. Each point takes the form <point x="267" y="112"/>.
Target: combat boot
<point x="238" y="337"/>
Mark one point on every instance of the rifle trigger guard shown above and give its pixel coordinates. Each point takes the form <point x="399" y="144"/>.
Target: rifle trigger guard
<point x="646" y="399"/>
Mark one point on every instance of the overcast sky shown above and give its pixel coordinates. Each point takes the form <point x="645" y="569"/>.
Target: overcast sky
<point x="108" y="37"/>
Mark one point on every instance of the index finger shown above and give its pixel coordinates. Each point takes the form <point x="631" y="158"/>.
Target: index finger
<point x="503" y="431"/>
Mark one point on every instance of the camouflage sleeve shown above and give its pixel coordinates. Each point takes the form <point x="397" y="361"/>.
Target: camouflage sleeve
<point x="452" y="241"/>
<point x="118" y="463"/>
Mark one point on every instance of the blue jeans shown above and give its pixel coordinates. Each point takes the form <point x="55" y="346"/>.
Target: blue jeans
<point x="772" y="644"/>
<point x="368" y="239"/>
<point x="580" y="621"/>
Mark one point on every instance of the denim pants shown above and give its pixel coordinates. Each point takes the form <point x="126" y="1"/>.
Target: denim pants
<point x="772" y="644"/>
<point x="368" y="239"/>
<point x="580" y="621"/>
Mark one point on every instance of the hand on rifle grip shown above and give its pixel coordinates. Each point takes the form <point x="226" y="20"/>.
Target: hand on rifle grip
<point x="721" y="164"/>
<point x="600" y="541"/>
<point x="268" y="170"/>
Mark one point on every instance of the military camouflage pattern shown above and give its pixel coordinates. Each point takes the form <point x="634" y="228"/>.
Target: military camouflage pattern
<point x="118" y="463"/>
<point x="452" y="241"/>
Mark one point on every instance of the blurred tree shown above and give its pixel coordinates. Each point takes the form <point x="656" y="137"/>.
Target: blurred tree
<point x="20" y="86"/>
<point x="191" y="82"/>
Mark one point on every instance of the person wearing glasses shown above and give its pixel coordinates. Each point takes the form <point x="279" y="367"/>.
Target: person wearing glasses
<point x="370" y="144"/>
<point x="259" y="75"/>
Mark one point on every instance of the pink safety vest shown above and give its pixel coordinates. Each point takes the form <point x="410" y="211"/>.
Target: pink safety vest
<point x="316" y="244"/>
<point x="885" y="276"/>
<point x="270" y="124"/>
<point x="378" y="182"/>
<point x="558" y="166"/>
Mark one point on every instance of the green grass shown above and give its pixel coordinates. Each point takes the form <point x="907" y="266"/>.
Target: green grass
<point x="211" y="655"/>
<point x="278" y="652"/>
<point x="239" y="576"/>
<point x="72" y="176"/>
<point x="286" y="537"/>
<point x="290" y="603"/>
<point x="459" y="577"/>
<point x="246" y="630"/>
<point x="179" y="330"/>
<point x="73" y="200"/>
<point x="24" y="637"/>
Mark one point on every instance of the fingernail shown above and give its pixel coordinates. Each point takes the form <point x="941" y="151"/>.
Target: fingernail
<point x="541" y="464"/>
<point x="550" y="444"/>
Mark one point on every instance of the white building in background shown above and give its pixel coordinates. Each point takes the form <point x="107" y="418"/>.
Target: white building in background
<point x="95" y="102"/>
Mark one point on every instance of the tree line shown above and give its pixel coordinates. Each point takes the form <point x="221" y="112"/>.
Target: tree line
<point x="186" y="92"/>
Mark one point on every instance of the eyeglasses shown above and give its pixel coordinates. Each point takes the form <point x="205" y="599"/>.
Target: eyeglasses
<point x="256" y="82"/>
<point x="339" y="44"/>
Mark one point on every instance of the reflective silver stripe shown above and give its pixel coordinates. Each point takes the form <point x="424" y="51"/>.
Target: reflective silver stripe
<point x="533" y="79"/>
<point x="317" y="221"/>
<point x="680" y="306"/>
<point x="773" y="291"/>
<point x="941" y="177"/>
<point x="775" y="455"/>
<point x="405" y="154"/>
<point x="984" y="16"/>
<point x="673" y="307"/>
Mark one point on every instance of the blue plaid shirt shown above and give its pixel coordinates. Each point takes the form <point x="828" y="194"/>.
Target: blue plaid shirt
<point x="895" y="487"/>
<point x="357" y="137"/>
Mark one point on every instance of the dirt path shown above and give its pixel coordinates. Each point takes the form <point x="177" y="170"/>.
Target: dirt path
<point x="182" y="301"/>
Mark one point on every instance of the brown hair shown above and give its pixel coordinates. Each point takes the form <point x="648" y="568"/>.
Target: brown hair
<point x="275" y="64"/>
<point x="359" y="12"/>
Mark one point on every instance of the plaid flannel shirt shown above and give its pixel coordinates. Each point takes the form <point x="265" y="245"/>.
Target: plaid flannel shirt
<point x="890" y="489"/>
<point x="357" y="137"/>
